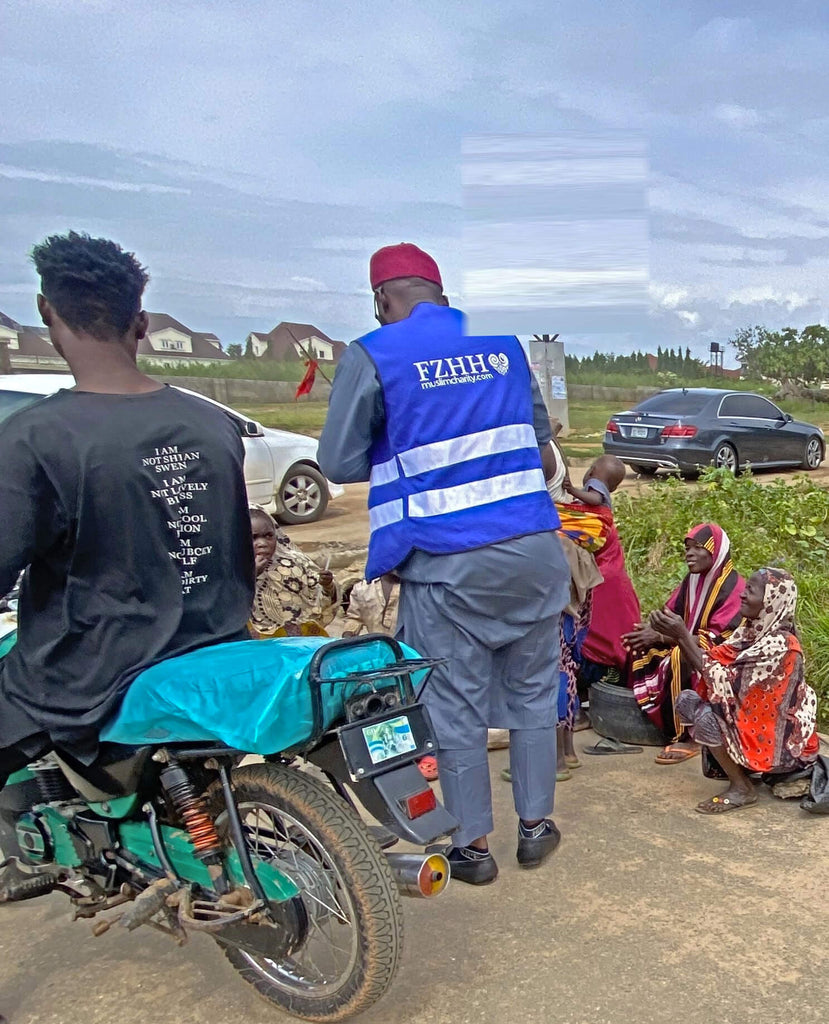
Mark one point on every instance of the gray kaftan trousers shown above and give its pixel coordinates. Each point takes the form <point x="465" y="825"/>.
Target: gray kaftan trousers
<point x="494" y="614"/>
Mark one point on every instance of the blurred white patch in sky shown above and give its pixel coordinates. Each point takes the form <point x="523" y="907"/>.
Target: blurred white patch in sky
<point x="555" y="234"/>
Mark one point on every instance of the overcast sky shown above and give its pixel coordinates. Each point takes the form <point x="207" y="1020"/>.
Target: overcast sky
<point x="253" y="155"/>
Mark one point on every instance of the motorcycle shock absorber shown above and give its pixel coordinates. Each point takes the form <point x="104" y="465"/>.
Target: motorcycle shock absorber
<point x="200" y="826"/>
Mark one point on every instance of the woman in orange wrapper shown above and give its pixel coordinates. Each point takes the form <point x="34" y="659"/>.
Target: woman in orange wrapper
<point x="752" y="708"/>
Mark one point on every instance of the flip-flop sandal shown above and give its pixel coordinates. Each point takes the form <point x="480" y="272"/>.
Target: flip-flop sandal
<point x="707" y="806"/>
<point x="685" y="755"/>
<point x="611" y="746"/>
<point x="572" y="762"/>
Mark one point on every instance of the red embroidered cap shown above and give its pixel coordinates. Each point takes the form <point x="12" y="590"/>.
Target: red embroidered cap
<point x="403" y="260"/>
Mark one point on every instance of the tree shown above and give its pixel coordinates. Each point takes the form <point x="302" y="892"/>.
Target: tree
<point x="788" y="356"/>
<point x="234" y="351"/>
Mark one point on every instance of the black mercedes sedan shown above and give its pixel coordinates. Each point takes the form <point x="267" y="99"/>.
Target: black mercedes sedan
<point x="686" y="429"/>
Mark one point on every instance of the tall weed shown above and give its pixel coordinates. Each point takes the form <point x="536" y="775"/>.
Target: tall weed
<point x="781" y="523"/>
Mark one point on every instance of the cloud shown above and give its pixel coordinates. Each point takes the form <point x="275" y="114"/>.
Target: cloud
<point x="24" y="174"/>
<point x="739" y="117"/>
<point x="667" y="296"/>
<point x="764" y="295"/>
<point x="267" y="156"/>
<point x="746" y="214"/>
<point x="722" y="36"/>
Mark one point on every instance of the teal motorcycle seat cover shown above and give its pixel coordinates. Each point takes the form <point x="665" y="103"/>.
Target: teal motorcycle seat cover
<point x="252" y="695"/>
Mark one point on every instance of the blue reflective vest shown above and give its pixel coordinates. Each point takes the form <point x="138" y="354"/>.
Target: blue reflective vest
<point x="458" y="465"/>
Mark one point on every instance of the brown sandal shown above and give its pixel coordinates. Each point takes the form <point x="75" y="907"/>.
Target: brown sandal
<point x="722" y="805"/>
<point x="683" y="755"/>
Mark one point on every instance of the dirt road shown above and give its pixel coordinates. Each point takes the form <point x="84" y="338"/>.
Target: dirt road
<point x="648" y="914"/>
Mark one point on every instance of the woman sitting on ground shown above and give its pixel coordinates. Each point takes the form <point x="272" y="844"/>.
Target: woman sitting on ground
<point x="293" y="597"/>
<point x="753" y="711"/>
<point x="708" y="602"/>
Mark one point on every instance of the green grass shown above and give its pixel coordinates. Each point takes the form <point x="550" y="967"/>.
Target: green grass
<point x="587" y="423"/>
<point x="805" y="409"/>
<point x="781" y="522"/>
<point x="303" y="417"/>
<point x="587" y="420"/>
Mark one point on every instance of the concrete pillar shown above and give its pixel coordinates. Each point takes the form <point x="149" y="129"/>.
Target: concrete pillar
<point x="547" y="360"/>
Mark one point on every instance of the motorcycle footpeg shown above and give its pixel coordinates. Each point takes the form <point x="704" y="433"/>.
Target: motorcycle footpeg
<point x="17" y="885"/>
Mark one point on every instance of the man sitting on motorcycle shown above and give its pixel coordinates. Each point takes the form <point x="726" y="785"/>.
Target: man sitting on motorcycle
<point x="125" y="502"/>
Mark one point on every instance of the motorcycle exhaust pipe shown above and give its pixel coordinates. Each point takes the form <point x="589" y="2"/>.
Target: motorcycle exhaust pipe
<point x="419" y="874"/>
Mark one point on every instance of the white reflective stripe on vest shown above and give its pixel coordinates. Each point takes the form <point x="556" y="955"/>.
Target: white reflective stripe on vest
<point x="443" y="500"/>
<point x="384" y="473"/>
<point x="450" y="452"/>
<point x="386" y="514"/>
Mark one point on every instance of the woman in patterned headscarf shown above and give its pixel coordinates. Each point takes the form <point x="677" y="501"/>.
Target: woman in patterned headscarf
<point x="293" y="596"/>
<point x="708" y="601"/>
<point x="753" y="711"/>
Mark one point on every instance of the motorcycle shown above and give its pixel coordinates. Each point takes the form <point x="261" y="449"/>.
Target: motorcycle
<point x="271" y="859"/>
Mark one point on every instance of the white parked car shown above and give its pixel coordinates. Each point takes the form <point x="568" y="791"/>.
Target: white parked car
<point x="281" y="469"/>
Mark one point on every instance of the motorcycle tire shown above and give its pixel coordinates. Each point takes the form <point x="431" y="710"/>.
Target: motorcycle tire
<point x="345" y="882"/>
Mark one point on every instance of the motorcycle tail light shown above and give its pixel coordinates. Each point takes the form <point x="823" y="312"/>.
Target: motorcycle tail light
<point x="679" y="430"/>
<point x="420" y="804"/>
<point x="612" y="427"/>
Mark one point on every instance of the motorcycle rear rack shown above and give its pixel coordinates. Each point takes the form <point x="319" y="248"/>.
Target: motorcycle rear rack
<point x="398" y="672"/>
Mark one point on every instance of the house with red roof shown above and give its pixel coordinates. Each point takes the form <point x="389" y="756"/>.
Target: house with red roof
<point x="290" y="342"/>
<point x="167" y="339"/>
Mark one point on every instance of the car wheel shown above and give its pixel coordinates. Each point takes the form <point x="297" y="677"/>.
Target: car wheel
<point x="813" y="453"/>
<point x="725" y="457"/>
<point x="644" y="470"/>
<point x="303" y="495"/>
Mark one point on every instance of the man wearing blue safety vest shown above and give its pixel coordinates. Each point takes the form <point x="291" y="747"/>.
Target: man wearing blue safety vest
<point x="448" y="429"/>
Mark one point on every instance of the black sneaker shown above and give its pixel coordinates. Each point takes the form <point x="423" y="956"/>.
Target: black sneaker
<point x="536" y="844"/>
<point x="468" y="864"/>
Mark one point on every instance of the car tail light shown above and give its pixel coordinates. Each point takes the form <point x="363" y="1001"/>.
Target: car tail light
<point x="612" y="427"/>
<point x="678" y="430"/>
<point x="420" y="804"/>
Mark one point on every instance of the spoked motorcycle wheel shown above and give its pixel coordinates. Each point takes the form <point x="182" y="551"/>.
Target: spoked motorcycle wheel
<point x="351" y="915"/>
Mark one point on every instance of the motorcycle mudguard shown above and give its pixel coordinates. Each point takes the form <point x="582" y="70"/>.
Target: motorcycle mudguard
<point x="137" y="839"/>
<point x="384" y="796"/>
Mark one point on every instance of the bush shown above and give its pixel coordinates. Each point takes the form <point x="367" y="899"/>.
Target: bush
<point x="772" y="524"/>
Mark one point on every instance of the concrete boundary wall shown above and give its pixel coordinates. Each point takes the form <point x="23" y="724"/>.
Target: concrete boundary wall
<point x="264" y="392"/>
<point x="233" y="392"/>
<point x="599" y="393"/>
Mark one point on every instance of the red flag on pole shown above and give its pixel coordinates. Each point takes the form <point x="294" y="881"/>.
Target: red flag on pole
<point x="307" y="381"/>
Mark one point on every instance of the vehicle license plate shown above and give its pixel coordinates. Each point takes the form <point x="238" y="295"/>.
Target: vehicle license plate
<point x="389" y="739"/>
<point x="638" y="431"/>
